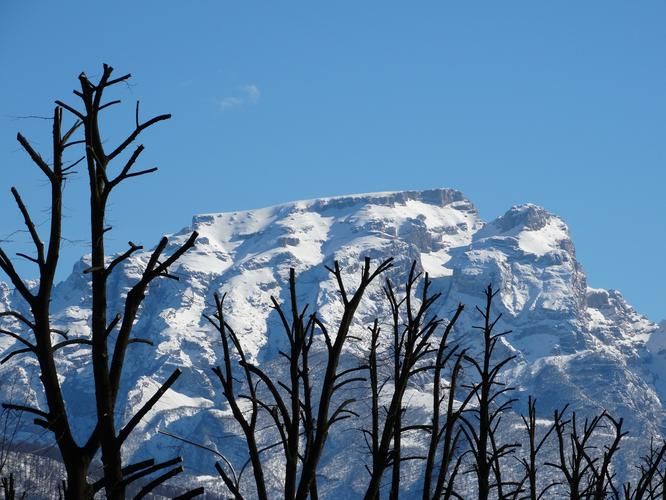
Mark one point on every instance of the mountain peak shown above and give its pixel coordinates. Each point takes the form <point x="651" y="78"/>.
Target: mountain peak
<point x="525" y="217"/>
<point x="560" y="327"/>
<point x="529" y="228"/>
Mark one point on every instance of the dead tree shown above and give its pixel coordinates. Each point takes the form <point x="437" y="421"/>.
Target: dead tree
<point x="372" y="435"/>
<point x="603" y="474"/>
<point x="302" y="419"/>
<point x="587" y="472"/>
<point x="9" y="489"/>
<point x="227" y="378"/>
<point x="482" y="420"/>
<point x="529" y="483"/>
<point x="334" y="380"/>
<point x="650" y="483"/>
<point x="110" y="338"/>
<point x="412" y="344"/>
<point x="445" y="430"/>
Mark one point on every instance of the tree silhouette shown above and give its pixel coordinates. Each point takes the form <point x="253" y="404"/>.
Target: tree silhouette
<point x="109" y="339"/>
<point x="413" y="345"/>
<point x="301" y="419"/>
<point x="491" y="402"/>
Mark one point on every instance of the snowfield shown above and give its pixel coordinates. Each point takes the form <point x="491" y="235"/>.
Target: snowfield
<point x="574" y="344"/>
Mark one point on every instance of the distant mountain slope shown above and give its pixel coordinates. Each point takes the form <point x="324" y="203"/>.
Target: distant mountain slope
<point x="573" y="343"/>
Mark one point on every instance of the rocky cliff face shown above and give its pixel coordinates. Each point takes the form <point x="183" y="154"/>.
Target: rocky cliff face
<point x="572" y="343"/>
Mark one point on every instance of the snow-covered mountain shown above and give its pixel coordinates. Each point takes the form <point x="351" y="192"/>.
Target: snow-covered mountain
<point x="574" y="344"/>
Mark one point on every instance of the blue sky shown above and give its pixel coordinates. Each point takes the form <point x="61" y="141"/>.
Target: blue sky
<point x="561" y="103"/>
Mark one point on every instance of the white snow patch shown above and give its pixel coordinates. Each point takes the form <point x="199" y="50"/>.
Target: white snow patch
<point x="434" y="264"/>
<point x="544" y="240"/>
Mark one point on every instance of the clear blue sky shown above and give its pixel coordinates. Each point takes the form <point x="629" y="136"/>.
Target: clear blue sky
<point x="561" y="103"/>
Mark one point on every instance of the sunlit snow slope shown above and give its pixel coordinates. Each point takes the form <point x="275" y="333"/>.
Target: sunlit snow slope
<point x="573" y="343"/>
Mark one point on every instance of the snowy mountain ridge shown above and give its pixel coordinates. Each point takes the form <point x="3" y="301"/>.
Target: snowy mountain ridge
<point x="571" y="340"/>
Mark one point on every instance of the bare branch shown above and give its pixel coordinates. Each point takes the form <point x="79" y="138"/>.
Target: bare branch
<point x="125" y="170"/>
<point x="133" y="248"/>
<point x="17" y="337"/>
<point x="118" y="80"/>
<point x="112" y="324"/>
<point x="27" y="257"/>
<point x="191" y="494"/>
<point x="39" y="246"/>
<point x="74" y="143"/>
<point x="66" y="343"/>
<point x="69" y="108"/>
<point x="140" y="128"/>
<point x="134" y="421"/>
<point x="141" y="172"/>
<point x="18" y="316"/>
<point x="140" y="341"/>
<point x="157" y="481"/>
<point x="70" y="132"/>
<point x="16" y="353"/>
<point x="109" y="104"/>
<point x="161" y="268"/>
<point x="35" y="156"/>
<point x="148" y="469"/>
<point x="29" y="409"/>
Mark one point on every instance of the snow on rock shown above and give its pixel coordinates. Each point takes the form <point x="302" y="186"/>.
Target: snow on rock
<point x="570" y="341"/>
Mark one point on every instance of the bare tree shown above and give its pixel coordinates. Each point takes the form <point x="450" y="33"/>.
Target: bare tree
<point x="587" y="472"/>
<point x="650" y="482"/>
<point x="110" y="338"/>
<point x="9" y="489"/>
<point x="445" y="430"/>
<point x="490" y="397"/>
<point x="529" y="483"/>
<point x="466" y="420"/>
<point x="413" y="328"/>
<point x="302" y="419"/>
<point x="247" y="424"/>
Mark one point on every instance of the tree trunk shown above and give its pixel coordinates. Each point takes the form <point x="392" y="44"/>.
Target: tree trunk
<point x="78" y="487"/>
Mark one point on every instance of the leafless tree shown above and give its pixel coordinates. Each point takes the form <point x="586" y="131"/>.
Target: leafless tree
<point x="413" y="328"/>
<point x="529" y="487"/>
<point x="110" y="338"/>
<point x="491" y="400"/>
<point x="650" y="482"/>
<point x="301" y="418"/>
<point x="587" y="472"/>
<point x="465" y="425"/>
<point x="445" y="430"/>
<point x="9" y="489"/>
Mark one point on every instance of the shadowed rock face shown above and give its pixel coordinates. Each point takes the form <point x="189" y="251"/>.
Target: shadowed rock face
<point x="572" y="343"/>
